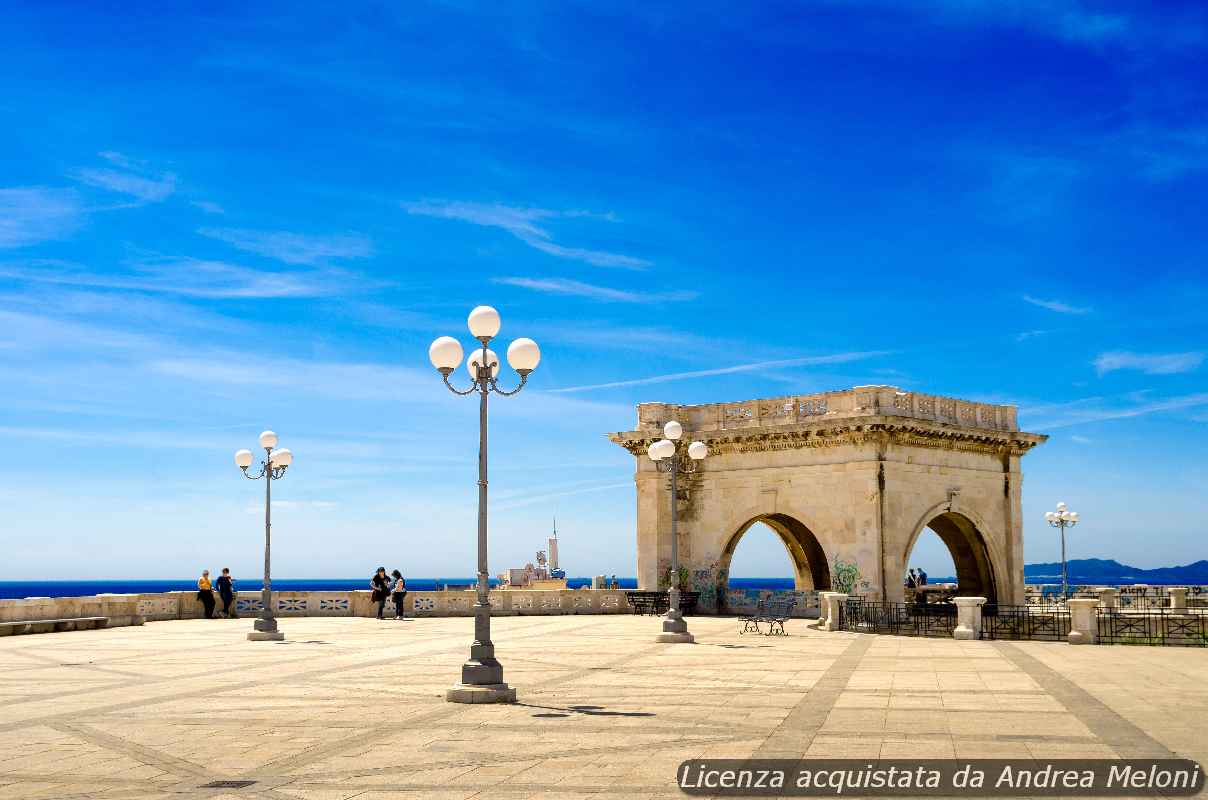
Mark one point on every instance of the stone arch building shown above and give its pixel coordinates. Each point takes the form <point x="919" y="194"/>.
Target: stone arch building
<point x="848" y="478"/>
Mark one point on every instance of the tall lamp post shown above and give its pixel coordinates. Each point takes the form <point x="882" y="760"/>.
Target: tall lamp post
<point x="669" y="455"/>
<point x="271" y="469"/>
<point x="1062" y="518"/>
<point x="482" y="675"/>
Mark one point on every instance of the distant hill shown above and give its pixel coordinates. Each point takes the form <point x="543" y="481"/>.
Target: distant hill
<point x="1108" y="571"/>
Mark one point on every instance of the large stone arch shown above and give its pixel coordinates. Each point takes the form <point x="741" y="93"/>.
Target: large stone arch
<point x="810" y="565"/>
<point x="863" y="470"/>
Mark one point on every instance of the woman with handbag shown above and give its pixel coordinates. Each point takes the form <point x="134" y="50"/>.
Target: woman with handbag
<point x="399" y="593"/>
<point x="205" y="593"/>
<point x="380" y="585"/>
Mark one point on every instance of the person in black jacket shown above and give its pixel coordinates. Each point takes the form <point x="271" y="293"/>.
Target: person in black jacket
<point x="398" y="593"/>
<point x="226" y="590"/>
<point x="380" y="584"/>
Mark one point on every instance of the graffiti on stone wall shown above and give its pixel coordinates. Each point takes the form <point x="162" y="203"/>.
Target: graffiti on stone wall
<point x="847" y="578"/>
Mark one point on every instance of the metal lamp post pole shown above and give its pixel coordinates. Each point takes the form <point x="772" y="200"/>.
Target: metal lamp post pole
<point x="673" y="460"/>
<point x="271" y="469"/>
<point x="482" y="674"/>
<point x="1061" y="519"/>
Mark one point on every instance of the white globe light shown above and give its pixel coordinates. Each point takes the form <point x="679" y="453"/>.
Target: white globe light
<point x="1073" y="516"/>
<point x="524" y="355"/>
<point x="666" y="448"/>
<point x="243" y="458"/>
<point x="673" y="430"/>
<point x="697" y="451"/>
<point x="281" y="458"/>
<point x="653" y="452"/>
<point x="1050" y="516"/>
<point x="445" y="353"/>
<point x="1061" y="507"/>
<point x="476" y="358"/>
<point x="268" y="439"/>
<point x="484" y="322"/>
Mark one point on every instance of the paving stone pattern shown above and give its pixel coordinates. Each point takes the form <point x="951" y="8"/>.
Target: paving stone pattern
<point x="352" y="707"/>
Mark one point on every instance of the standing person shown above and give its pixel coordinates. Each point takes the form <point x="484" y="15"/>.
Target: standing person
<point x="205" y="593"/>
<point x="911" y="582"/>
<point x="226" y="590"/>
<point x="922" y="577"/>
<point x="380" y="585"/>
<point x="399" y="593"/>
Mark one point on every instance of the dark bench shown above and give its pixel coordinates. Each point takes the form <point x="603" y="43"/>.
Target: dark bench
<point x="774" y="612"/>
<point x="657" y="603"/>
<point x="50" y="625"/>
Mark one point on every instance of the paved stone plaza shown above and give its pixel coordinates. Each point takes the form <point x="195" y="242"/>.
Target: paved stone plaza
<point x="352" y="707"/>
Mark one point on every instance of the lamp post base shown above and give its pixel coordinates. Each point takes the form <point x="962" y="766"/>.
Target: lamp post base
<point x="675" y="629"/>
<point x="480" y="693"/>
<point x="266" y="636"/>
<point x="265" y="631"/>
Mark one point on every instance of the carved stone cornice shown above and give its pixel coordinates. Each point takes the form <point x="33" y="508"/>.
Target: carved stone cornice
<point x="888" y="430"/>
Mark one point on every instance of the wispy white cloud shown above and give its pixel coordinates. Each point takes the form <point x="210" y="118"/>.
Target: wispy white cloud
<point x="522" y="223"/>
<point x="127" y="176"/>
<point x="294" y="248"/>
<point x="1080" y="439"/>
<point x="208" y="206"/>
<point x="1056" y="305"/>
<point x="1150" y="364"/>
<point x="1023" y="336"/>
<point x="1100" y="409"/>
<point x="533" y="499"/>
<point x="33" y="214"/>
<point x="565" y="286"/>
<point x="184" y="276"/>
<point x="808" y="361"/>
<point x="1066" y="20"/>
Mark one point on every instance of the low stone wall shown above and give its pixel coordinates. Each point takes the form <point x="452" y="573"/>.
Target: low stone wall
<point x="121" y="609"/>
<point x="508" y="602"/>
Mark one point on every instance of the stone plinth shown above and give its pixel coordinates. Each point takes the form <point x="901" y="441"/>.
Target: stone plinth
<point x="968" y="617"/>
<point x="1084" y="623"/>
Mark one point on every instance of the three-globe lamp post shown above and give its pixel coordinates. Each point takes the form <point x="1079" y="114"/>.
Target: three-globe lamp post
<point x="271" y="469"/>
<point x="670" y="455"/>
<point x="482" y="675"/>
<point x="1062" y="518"/>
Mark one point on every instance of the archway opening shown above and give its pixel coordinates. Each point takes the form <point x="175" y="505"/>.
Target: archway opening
<point x="807" y="562"/>
<point x="952" y="546"/>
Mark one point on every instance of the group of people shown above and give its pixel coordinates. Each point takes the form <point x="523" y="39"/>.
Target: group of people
<point x="916" y="578"/>
<point x="226" y="591"/>
<point x="384" y="587"/>
<point x="392" y="587"/>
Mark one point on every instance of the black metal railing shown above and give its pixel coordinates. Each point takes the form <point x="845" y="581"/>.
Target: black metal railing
<point x="1025" y="622"/>
<point x="901" y="619"/>
<point x="1153" y="626"/>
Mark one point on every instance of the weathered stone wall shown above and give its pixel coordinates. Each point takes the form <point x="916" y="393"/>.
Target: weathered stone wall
<point x="121" y="609"/>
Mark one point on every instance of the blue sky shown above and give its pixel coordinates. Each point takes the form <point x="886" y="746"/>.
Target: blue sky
<point x="215" y="222"/>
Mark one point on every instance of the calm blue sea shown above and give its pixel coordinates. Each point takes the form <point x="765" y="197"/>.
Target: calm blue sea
<point x="11" y="589"/>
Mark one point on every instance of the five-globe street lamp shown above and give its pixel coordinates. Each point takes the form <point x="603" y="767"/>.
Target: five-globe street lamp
<point x="1062" y="518"/>
<point x="482" y="675"/>
<point x="669" y="455"/>
<point x="271" y="469"/>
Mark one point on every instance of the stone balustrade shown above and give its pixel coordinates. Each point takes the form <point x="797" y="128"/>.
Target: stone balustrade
<point x="133" y="609"/>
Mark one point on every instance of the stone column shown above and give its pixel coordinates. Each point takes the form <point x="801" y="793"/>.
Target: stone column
<point x="968" y="617"/>
<point x="834" y="601"/>
<point x="1109" y="596"/>
<point x="1084" y="623"/>
<point x="1178" y="598"/>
